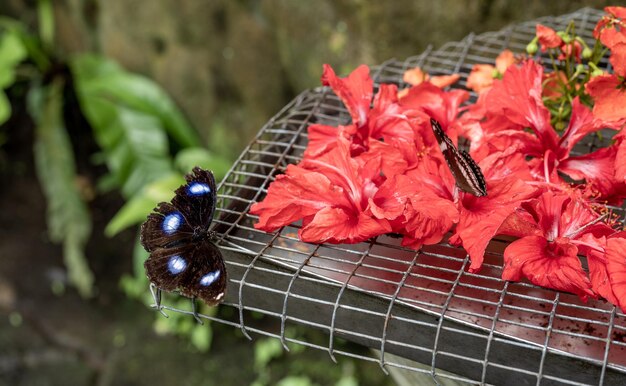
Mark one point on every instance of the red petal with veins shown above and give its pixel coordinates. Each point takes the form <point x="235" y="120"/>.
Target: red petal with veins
<point x="518" y="98"/>
<point x="549" y="264"/>
<point x="336" y="225"/>
<point x="355" y="90"/>
<point x="616" y="266"/>
<point x="620" y="158"/>
<point x="481" y="217"/>
<point x="609" y="96"/>
<point x="548" y="37"/>
<point x="323" y="138"/>
<point x="594" y="249"/>
<point x="428" y="218"/>
<point x="618" y="58"/>
<point x="444" y="106"/>
<point x="294" y="195"/>
<point x="581" y="123"/>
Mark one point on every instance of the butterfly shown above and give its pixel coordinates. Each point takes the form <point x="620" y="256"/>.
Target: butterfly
<point x="182" y="256"/>
<point x="467" y="174"/>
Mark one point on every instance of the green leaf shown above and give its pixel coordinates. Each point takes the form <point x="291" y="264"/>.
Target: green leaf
<point x="201" y="337"/>
<point x="96" y="75"/>
<point x="12" y="52"/>
<point x="136" y="286"/>
<point x="140" y="205"/>
<point x="265" y="350"/>
<point x="294" y="380"/>
<point x="186" y="159"/>
<point x="5" y="108"/>
<point x="68" y="218"/>
<point x="45" y="15"/>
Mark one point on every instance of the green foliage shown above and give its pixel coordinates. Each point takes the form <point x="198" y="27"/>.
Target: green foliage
<point x="200" y="335"/>
<point x="142" y="203"/>
<point x="295" y="380"/>
<point x="264" y="351"/>
<point x="46" y="23"/>
<point x="133" y="121"/>
<point x="187" y="158"/>
<point x="68" y="218"/>
<point x="12" y="53"/>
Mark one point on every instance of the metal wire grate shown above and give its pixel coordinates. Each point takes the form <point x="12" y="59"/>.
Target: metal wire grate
<point x="418" y="305"/>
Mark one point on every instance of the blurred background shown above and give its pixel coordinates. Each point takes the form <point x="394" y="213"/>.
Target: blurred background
<point x="104" y="106"/>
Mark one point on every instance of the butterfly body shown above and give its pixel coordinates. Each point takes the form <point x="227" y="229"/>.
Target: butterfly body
<point x="466" y="172"/>
<point x="177" y="235"/>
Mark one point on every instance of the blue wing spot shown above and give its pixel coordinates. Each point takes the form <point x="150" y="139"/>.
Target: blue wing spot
<point x="172" y="222"/>
<point x="209" y="278"/>
<point x="176" y="265"/>
<point x="198" y="189"/>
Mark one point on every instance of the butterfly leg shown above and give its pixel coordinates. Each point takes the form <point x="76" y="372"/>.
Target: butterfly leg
<point x="194" y="309"/>
<point x="156" y="296"/>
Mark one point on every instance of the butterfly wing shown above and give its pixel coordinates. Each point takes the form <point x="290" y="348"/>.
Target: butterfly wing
<point x="195" y="269"/>
<point x="197" y="198"/>
<point x="476" y="179"/>
<point x="165" y="226"/>
<point x="467" y="174"/>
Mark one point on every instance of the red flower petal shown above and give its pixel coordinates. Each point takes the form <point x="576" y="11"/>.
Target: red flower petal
<point x="609" y="96"/>
<point x="616" y="266"/>
<point x="295" y="195"/>
<point x="355" y="91"/>
<point x="336" y="225"/>
<point x="444" y="106"/>
<point x="581" y="123"/>
<point x="428" y="218"/>
<point x="481" y="217"/>
<point x="594" y="249"/>
<point x="323" y="138"/>
<point x="618" y="58"/>
<point x="598" y="169"/>
<point x="620" y="158"/>
<point x="390" y="200"/>
<point x="518" y="98"/>
<point x="548" y="264"/>
<point x="548" y="37"/>
<point x="480" y="78"/>
<point x="618" y="12"/>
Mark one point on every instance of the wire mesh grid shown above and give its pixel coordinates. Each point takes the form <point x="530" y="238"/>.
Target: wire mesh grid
<point x="420" y="305"/>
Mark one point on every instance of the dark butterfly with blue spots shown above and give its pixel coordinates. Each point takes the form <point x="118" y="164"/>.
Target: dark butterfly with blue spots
<point x="466" y="172"/>
<point x="177" y="235"/>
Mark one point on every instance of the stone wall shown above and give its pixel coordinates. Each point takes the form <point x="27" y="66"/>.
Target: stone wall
<point x="231" y="64"/>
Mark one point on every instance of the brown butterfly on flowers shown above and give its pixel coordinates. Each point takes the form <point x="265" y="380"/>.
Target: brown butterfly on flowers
<point x="467" y="174"/>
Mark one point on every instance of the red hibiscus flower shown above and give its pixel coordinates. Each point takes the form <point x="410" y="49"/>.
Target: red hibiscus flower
<point x="517" y="99"/>
<point x="384" y="120"/>
<point x="548" y="37"/>
<point x="415" y="206"/>
<point x="427" y="101"/>
<point x="330" y="194"/>
<point x="550" y="258"/>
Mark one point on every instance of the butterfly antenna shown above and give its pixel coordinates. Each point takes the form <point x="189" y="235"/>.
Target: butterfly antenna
<point x="156" y="296"/>
<point x="194" y="309"/>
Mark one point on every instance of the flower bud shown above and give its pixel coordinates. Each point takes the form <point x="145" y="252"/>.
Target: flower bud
<point x="532" y="48"/>
<point x="596" y="72"/>
<point x="587" y="53"/>
<point x="566" y="38"/>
